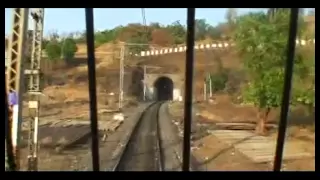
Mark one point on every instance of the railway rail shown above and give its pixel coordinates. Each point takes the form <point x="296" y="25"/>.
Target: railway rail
<point x="142" y="151"/>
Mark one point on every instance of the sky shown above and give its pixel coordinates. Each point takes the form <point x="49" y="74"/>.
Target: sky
<point x="66" y="20"/>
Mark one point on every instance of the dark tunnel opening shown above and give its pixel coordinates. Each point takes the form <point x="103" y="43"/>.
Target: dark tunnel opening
<point x="164" y="89"/>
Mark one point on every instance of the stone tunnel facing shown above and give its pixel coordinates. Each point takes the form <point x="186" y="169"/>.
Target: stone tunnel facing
<point x="164" y="89"/>
<point x="136" y="87"/>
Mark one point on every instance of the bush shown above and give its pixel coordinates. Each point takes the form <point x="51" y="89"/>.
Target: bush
<point x="218" y="81"/>
<point x="53" y="50"/>
<point x="69" y="49"/>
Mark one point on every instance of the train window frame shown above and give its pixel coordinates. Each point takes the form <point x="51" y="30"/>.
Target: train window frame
<point x="89" y="18"/>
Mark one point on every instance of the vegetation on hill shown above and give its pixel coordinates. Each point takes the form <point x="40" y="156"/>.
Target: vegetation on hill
<point x="157" y="35"/>
<point x="57" y="49"/>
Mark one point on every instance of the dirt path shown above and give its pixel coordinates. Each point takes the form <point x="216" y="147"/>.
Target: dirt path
<point x="214" y="154"/>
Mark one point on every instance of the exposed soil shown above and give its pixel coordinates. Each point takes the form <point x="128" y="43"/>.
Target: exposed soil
<point x="77" y="157"/>
<point x="49" y="160"/>
<point x="216" y="155"/>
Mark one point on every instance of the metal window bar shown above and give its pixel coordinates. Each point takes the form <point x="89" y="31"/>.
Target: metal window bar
<point x="293" y="26"/>
<point x="188" y="88"/>
<point x="92" y="89"/>
<point x="188" y="92"/>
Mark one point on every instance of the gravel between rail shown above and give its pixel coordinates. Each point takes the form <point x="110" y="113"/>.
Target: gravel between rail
<point x="172" y="144"/>
<point x="110" y="148"/>
<point x="142" y="151"/>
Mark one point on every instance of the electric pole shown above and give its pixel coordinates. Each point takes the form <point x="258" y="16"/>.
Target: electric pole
<point x="205" y="90"/>
<point x="121" y="75"/>
<point x="34" y="87"/>
<point x="210" y="85"/>
<point x="144" y="82"/>
<point x="16" y="52"/>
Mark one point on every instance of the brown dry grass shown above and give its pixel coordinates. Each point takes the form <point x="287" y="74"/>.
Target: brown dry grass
<point x="68" y="89"/>
<point x="300" y="132"/>
<point x="215" y="155"/>
<point x="310" y="20"/>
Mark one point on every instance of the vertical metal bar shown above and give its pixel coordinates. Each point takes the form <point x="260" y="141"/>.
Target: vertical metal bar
<point x="287" y="88"/>
<point x="144" y="82"/>
<point x="122" y="50"/>
<point x="210" y="87"/>
<point x="188" y="88"/>
<point x="15" y="72"/>
<point x="92" y="89"/>
<point x="204" y="91"/>
<point x="34" y="87"/>
<point x="8" y="139"/>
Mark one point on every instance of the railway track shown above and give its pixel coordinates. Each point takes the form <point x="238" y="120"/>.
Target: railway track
<point x="142" y="151"/>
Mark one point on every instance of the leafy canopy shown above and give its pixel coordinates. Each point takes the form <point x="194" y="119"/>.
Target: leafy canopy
<point x="69" y="48"/>
<point x="262" y="43"/>
<point x="53" y="50"/>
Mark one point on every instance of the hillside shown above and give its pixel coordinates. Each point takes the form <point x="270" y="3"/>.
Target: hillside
<point x="310" y="20"/>
<point x="107" y="55"/>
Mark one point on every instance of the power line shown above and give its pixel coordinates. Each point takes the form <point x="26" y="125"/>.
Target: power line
<point x="144" y="22"/>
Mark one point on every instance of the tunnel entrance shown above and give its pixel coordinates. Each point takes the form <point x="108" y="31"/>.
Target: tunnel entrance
<point x="164" y="89"/>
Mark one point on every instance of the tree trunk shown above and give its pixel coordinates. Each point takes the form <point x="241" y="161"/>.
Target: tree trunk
<point x="262" y="120"/>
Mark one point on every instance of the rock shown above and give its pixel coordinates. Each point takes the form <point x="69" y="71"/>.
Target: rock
<point x="118" y="117"/>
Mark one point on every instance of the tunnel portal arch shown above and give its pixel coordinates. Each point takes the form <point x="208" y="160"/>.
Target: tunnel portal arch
<point x="164" y="88"/>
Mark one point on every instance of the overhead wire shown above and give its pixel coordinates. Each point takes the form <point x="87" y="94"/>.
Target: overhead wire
<point x="144" y="22"/>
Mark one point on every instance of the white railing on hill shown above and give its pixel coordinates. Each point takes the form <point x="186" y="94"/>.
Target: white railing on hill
<point x="221" y="45"/>
<point x="170" y="50"/>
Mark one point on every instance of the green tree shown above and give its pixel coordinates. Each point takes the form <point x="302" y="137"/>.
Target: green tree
<point x="214" y="32"/>
<point x="140" y="41"/>
<point x="178" y="31"/>
<point x="69" y="48"/>
<point x="201" y="29"/>
<point x="231" y="16"/>
<point x="44" y="43"/>
<point x="306" y="95"/>
<point x="262" y="44"/>
<point x="53" y="50"/>
<point x="107" y="36"/>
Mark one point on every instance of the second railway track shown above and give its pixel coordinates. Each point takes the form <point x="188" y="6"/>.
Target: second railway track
<point x="142" y="152"/>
